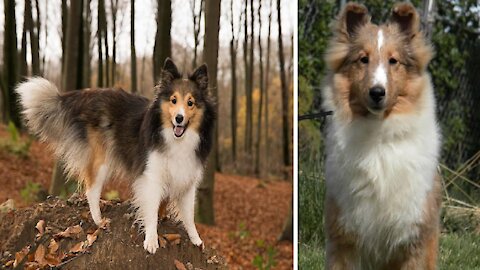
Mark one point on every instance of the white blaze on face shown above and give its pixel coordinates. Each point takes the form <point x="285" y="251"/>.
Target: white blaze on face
<point x="380" y="74"/>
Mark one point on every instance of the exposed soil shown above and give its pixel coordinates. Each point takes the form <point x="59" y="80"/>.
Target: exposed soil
<point x="249" y="216"/>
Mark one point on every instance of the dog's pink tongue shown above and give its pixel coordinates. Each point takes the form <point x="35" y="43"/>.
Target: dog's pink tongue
<point x="178" y="131"/>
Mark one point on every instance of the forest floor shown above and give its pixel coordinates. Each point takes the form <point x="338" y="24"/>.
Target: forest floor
<point x="249" y="212"/>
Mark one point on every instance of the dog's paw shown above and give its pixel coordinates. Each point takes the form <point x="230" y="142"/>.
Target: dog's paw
<point x="151" y="245"/>
<point x="199" y="243"/>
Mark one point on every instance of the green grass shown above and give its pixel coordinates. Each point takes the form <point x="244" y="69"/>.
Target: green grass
<point x="457" y="251"/>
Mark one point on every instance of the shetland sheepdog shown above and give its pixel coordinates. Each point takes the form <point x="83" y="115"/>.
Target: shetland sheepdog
<point x="383" y="189"/>
<point x="100" y="133"/>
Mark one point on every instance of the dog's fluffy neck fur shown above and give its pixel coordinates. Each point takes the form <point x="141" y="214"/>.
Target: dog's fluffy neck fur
<point x="380" y="171"/>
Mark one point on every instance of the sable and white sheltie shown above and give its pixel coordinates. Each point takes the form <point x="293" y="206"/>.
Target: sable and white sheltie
<point x="383" y="141"/>
<point x="162" y="144"/>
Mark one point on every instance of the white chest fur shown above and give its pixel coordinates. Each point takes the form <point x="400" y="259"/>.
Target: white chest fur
<point x="379" y="173"/>
<point x="177" y="166"/>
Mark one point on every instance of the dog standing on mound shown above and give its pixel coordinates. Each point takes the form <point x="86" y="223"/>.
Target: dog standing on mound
<point x="161" y="145"/>
<point x="383" y="143"/>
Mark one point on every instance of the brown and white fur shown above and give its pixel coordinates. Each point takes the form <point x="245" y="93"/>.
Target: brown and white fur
<point x="162" y="144"/>
<point x="383" y="141"/>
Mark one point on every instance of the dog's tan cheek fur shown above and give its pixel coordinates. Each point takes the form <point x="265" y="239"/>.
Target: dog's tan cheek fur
<point x="196" y="119"/>
<point x="166" y="115"/>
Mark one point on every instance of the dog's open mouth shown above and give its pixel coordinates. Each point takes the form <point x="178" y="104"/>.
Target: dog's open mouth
<point x="179" y="130"/>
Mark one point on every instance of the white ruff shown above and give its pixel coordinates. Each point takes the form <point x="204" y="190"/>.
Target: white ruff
<point x="175" y="173"/>
<point x="380" y="171"/>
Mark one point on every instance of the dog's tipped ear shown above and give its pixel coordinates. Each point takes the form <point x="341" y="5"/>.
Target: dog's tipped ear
<point x="406" y="17"/>
<point x="200" y="76"/>
<point x="351" y="18"/>
<point x="170" y="69"/>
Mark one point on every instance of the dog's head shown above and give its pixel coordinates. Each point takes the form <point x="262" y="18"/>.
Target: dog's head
<point x="182" y="101"/>
<point x="377" y="69"/>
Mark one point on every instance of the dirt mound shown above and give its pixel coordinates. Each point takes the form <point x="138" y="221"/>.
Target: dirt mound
<point x="67" y="237"/>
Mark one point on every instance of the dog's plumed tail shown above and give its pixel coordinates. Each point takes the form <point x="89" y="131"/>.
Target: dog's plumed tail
<point x="41" y="105"/>
<point x="47" y="117"/>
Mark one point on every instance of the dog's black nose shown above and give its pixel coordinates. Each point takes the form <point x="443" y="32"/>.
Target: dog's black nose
<point x="377" y="93"/>
<point x="179" y="118"/>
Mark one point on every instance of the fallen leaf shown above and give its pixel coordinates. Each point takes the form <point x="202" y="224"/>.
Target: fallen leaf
<point x="163" y="242"/>
<point x="179" y="265"/>
<point x="40" y="227"/>
<point x="52" y="247"/>
<point x="91" y="238"/>
<point x="40" y="255"/>
<point x="20" y="255"/>
<point x="77" y="248"/>
<point x="53" y="260"/>
<point x="171" y="236"/>
<point x="70" y="232"/>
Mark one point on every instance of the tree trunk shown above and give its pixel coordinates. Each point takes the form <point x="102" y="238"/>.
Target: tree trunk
<point x="247" y="72"/>
<point x="101" y="5"/>
<point x="133" y="53"/>
<point x="205" y="212"/>
<point x="197" y="19"/>
<point x="22" y="64"/>
<point x="10" y="65"/>
<point x="64" y="31"/>
<point x="87" y="71"/>
<point x="233" y="62"/>
<point x="284" y="89"/>
<point x="163" y="44"/>
<point x="287" y="232"/>
<point x="114" y="8"/>
<point x="71" y="79"/>
<point x="34" y="30"/>
<point x="267" y="85"/>
<point x="262" y="89"/>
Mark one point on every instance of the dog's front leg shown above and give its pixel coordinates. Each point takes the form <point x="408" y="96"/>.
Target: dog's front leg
<point x="148" y="193"/>
<point x="186" y="208"/>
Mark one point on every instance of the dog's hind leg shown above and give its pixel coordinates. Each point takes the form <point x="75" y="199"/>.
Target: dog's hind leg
<point x="93" y="192"/>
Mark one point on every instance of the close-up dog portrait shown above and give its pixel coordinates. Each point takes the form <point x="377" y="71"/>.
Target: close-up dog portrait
<point x="139" y="134"/>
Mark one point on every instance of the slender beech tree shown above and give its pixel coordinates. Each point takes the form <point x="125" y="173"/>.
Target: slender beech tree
<point x="205" y="213"/>
<point x="284" y="91"/>
<point x="133" y="53"/>
<point x="247" y="72"/>
<point x="163" y="44"/>
<point x="71" y="77"/>
<point x="267" y="85"/>
<point x="197" y="19"/>
<point x="262" y="90"/>
<point x="233" y="64"/>
<point x="11" y="110"/>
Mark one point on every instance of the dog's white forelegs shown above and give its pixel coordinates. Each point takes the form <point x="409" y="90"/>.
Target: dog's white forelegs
<point x="186" y="211"/>
<point x="93" y="193"/>
<point x="148" y="194"/>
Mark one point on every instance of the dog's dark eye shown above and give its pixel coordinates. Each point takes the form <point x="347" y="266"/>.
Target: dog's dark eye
<point x="190" y="103"/>
<point x="174" y="101"/>
<point x="392" y="61"/>
<point x="364" y="59"/>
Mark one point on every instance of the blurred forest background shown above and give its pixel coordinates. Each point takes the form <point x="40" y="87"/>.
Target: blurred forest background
<point x="247" y="45"/>
<point x="454" y="29"/>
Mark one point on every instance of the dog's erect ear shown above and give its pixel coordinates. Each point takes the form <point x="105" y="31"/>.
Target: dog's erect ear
<point x="351" y="18"/>
<point x="170" y="70"/>
<point x="200" y="77"/>
<point x="406" y="17"/>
